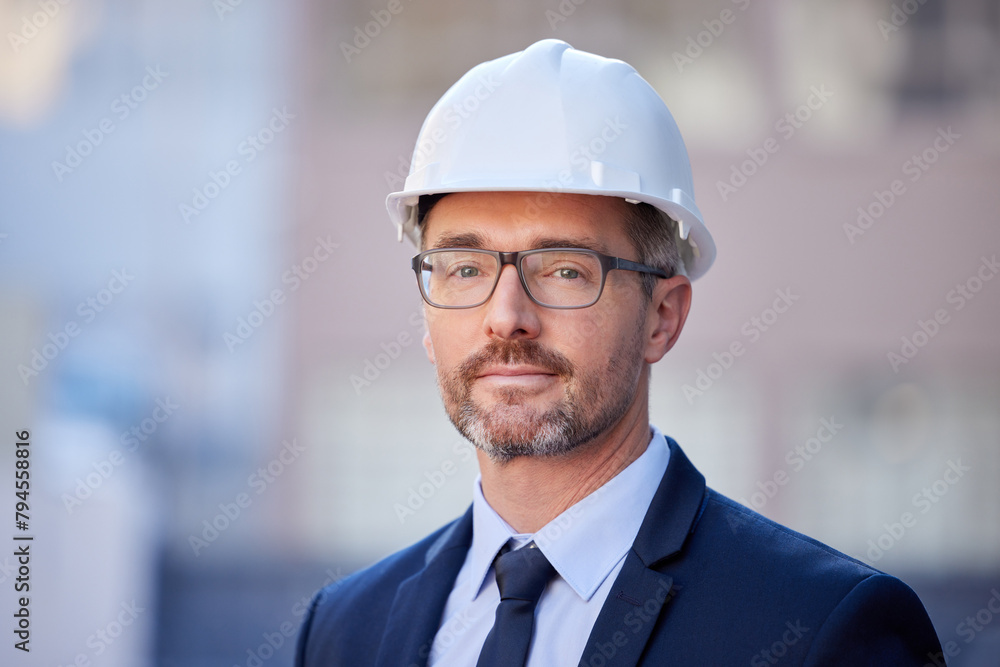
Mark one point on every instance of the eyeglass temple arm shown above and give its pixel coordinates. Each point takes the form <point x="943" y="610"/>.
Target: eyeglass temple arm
<point x="619" y="263"/>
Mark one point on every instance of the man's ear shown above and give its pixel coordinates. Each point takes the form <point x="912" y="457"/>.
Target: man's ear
<point x="668" y="310"/>
<point x="429" y="346"/>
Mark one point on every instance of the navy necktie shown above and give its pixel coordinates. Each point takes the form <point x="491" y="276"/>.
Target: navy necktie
<point x="521" y="577"/>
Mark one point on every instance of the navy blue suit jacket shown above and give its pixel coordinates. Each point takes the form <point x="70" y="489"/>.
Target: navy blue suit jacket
<point x="707" y="582"/>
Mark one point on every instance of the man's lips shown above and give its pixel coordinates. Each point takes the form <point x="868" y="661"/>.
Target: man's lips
<point x="514" y="371"/>
<point x="517" y="375"/>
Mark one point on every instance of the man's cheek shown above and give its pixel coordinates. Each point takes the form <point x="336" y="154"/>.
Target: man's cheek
<point x="580" y="334"/>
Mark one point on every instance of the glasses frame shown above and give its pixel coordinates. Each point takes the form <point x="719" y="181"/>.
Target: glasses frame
<point x="607" y="262"/>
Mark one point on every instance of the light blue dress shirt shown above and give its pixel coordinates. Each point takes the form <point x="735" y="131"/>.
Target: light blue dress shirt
<point x="586" y="545"/>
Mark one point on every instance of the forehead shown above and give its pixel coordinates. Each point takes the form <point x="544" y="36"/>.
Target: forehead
<point x="523" y="220"/>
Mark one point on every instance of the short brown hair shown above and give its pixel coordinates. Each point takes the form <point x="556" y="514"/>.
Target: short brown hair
<point x="653" y="234"/>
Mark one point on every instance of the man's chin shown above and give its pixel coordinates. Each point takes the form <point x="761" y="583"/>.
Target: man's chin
<point x="505" y="432"/>
<point x="521" y="401"/>
<point x="514" y="418"/>
<point x="504" y="450"/>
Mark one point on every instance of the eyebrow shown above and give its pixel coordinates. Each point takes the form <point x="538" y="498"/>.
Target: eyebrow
<point x="466" y="240"/>
<point x="585" y="242"/>
<point x="474" y="240"/>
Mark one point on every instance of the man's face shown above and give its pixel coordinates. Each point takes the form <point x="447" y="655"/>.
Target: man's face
<point x="519" y="379"/>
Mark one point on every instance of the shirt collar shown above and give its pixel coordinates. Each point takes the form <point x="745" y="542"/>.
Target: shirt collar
<point x="586" y="542"/>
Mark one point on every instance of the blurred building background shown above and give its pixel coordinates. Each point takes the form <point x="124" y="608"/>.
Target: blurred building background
<point x="213" y="337"/>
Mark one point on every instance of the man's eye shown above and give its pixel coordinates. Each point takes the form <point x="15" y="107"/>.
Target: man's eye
<point x="568" y="274"/>
<point x="468" y="272"/>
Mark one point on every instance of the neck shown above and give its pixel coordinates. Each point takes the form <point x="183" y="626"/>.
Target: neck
<point x="529" y="492"/>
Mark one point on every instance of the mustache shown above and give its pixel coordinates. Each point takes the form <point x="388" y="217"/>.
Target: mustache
<point x="501" y="351"/>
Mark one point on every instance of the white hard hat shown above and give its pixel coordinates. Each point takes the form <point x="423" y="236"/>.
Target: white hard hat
<point x="555" y="119"/>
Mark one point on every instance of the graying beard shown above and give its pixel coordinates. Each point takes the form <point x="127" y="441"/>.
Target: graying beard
<point x="556" y="432"/>
<point x="552" y="435"/>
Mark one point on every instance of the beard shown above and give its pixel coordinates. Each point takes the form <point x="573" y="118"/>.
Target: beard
<point x="592" y="403"/>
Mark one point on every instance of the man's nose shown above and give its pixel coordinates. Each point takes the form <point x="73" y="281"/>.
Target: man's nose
<point x="510" y="312"/>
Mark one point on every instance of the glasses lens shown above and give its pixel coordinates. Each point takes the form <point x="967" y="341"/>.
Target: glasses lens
<point x="458" y="277"/>
<point x="562" y="278"/>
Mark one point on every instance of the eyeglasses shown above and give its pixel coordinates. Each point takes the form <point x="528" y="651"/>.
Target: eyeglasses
<point x="552" y="277"/>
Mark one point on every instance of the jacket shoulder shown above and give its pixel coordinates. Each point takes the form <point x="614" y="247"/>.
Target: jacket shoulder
<point x="772" y="585"/>
<point x="386" y="573"/>
<point x="353" y="612"/>
<point x="764" y="541"/>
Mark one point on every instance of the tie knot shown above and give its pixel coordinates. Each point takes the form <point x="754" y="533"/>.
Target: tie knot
<point x="523" y="574"/>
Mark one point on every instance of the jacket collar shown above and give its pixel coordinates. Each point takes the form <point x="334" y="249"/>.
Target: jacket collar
<point x="419" y="603"/>
<point x="673" y="512"/>
<point x="639" y="594"/>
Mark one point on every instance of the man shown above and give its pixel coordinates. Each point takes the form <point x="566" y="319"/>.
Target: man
<point x="551" y="197"/>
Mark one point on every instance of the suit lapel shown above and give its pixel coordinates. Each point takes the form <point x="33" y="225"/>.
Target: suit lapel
<point x="419" y="603"/>
<point x="642" y="590"/>
<point x="628" y="616"/>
